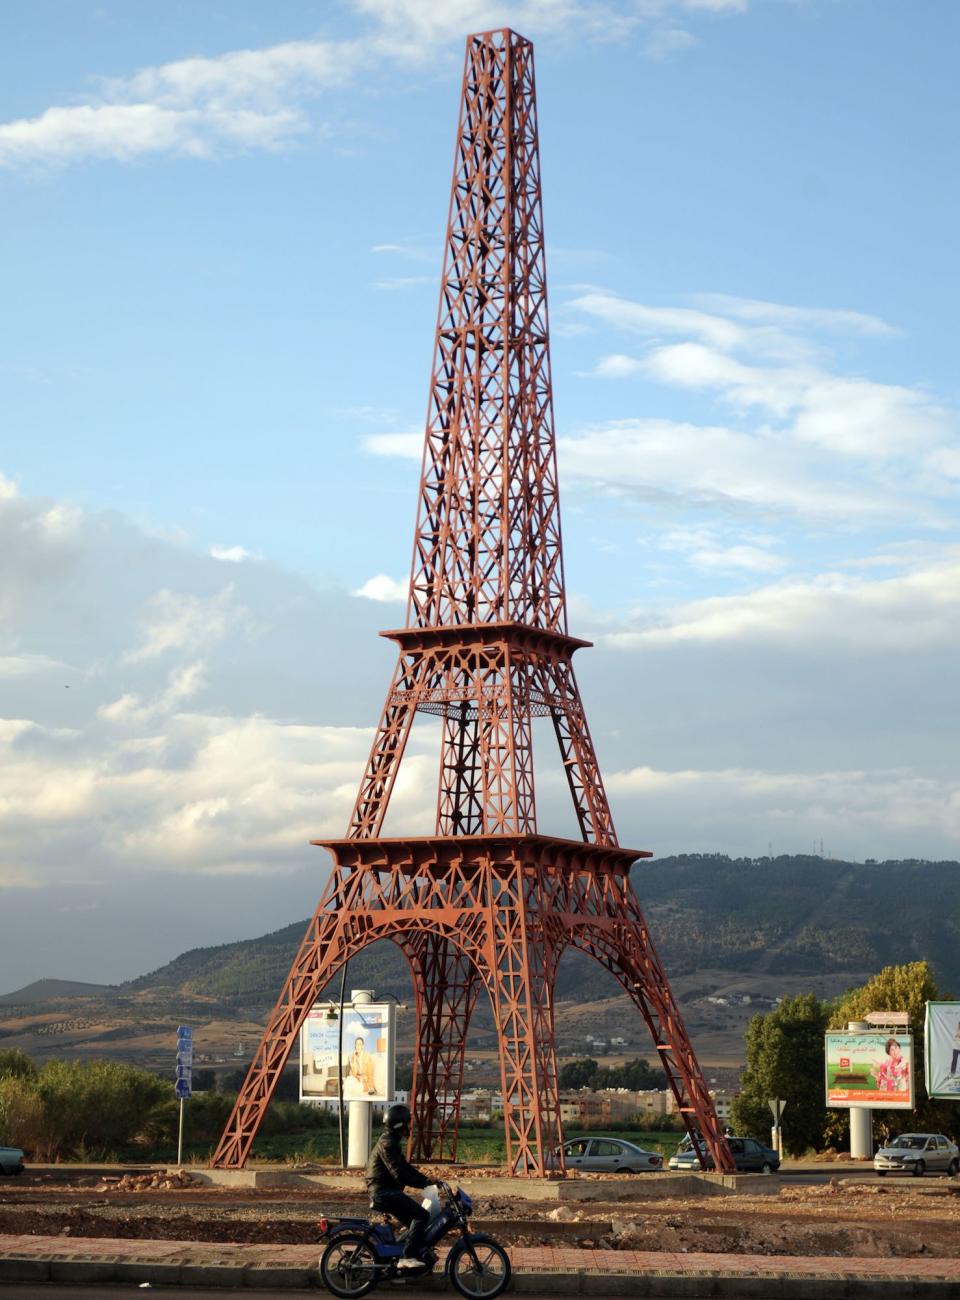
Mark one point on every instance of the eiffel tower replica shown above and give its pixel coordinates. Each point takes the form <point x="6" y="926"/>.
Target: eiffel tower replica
<point x="486" y="902"/>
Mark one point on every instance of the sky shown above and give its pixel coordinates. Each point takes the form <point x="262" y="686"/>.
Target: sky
<point x="222" y="230"/>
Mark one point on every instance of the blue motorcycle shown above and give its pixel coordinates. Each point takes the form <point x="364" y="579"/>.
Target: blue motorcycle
<point x="361" y="1253"/>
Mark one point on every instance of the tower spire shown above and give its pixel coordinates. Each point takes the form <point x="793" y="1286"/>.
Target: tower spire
<point x="487" y="546"/>
<point x="486" y="645"/>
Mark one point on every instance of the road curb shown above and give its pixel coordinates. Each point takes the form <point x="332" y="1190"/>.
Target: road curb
<point x="719" y="1285"/>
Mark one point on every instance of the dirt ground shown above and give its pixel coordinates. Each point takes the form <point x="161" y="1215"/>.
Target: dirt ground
<point x="842" y="1217"/>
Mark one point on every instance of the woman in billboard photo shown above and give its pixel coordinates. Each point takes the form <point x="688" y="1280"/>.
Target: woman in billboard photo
<point x="894" y="1073"/>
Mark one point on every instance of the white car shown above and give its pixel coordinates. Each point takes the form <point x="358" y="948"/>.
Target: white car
<point x="915" y="1153"/>
<point x="11" y="1160"/>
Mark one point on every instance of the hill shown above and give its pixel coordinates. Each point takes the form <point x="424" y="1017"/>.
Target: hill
<point x="786" y="916"/>
<point x="47" y="990"/>
<point x="734" y="935"/>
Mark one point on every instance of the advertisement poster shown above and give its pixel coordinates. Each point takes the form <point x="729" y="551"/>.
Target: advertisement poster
<point x="367" y="1065"/>
<point x="942" y="1042"/>
<point x="874" y="1070"/>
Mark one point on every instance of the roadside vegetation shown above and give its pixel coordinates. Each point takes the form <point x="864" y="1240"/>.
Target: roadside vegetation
<point x="101" y="1110"/>
<point x="785" y="1060"/>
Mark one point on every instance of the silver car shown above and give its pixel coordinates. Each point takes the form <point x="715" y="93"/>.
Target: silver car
<point x="11" y="1160"/>
<point x="609" y="1156"/>
<point x="915" y="1153"/>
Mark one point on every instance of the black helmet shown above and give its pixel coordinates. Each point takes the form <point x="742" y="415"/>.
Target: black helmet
<point x="397" y="1117"/>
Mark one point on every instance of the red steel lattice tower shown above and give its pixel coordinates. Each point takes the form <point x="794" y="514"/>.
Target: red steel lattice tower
<point x="486" y="902"/>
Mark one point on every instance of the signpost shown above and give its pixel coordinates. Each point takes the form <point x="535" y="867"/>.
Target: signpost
<point x="777" y="1107"/>
<point x="184" y="1077"/>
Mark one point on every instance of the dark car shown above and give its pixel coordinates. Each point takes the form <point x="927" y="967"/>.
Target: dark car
<point x="11" y="1160"/>
<point x="602" y="1155"/>
<point x="750" y="1157"/>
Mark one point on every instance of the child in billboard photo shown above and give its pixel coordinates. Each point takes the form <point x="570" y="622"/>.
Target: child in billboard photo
<point x="893" y="1074"/>
<point x="956" y="1050"/>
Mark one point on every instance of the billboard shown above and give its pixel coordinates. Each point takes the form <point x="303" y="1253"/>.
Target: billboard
<point x="942" y="1043"/>
<point x="367" y="1064"/>
<point x="872" y="1069"/>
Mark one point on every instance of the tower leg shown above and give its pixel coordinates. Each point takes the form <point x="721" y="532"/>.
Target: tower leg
<point x="321" y="954"/>
<point x="523" y="1005"/>
<point x="617" y="936"/>
<point x="446" y="984"/>
<point x="644" y="979"/>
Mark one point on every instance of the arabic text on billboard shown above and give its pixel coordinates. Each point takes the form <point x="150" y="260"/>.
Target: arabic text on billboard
<point x="874" y="1070"/>
<point x="367" y="1064"/>
<point x="942" y="1041"/>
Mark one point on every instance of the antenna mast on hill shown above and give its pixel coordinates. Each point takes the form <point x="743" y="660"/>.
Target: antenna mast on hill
<point x="486" y="901"/>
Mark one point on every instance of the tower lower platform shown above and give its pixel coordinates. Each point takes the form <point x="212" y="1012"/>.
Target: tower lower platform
<point x="493" y="912"/>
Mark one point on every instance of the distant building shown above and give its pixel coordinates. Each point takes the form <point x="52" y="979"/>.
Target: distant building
<point x="584" y="1106"/>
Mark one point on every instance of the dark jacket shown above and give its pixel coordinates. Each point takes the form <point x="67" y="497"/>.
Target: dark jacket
<point x="389" y="1170"/>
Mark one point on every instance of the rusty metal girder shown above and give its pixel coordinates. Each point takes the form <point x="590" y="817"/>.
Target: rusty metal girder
<point x="487" y="901"/>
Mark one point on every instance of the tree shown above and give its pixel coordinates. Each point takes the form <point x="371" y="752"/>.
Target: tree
<point x="785" y="1059"/>
<point x="15" y="1064"/>
<point x="578" y="1074"/>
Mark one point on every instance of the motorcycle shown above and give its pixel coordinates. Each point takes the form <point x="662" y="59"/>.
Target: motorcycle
<point x="359" y="1253"/>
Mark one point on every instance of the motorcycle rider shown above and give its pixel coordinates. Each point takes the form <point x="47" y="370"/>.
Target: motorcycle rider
<point x="388" y="1172"/>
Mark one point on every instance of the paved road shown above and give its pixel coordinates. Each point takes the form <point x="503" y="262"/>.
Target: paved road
<point x="48" y="1290"/>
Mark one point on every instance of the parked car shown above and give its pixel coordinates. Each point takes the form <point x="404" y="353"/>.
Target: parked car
<point x="915" y="1153"/>
<point x="11" y="1160"/>
<point x="751" y="1157"/>
<point x="602" y="1155"/>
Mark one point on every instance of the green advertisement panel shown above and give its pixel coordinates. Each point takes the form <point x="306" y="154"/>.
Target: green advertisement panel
<point x="870" y="1069"/>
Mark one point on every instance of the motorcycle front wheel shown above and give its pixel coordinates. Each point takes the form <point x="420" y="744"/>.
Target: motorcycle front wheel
<point x="481" y="1270"/>
<point x="348" y="1266"/>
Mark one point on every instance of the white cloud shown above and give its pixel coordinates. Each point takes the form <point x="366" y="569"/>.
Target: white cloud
<point x="617" y="366"/>
<point x="408" y="446"/>
<point x="231" y="554"/>
<point x="836" y="613"/>
<point x="12" y="877"/>
<point x="718" y="6"/>
<point x="639" y="318"/>
<point x="664" y="41"/>
<point x="403" y="282"/>
<point x="126" y="131"/>
<point x="870" y="807"/>
<point x="798" y="421"/>
<point x="26" y="664"/>
<point x="709" y="552"/>
<point x="715" y="465"/>
<point x="817" y="318"/>
<point x="261" y="98"/>
<point x="384" y="588"/>
<point x="852" y="416"/>
<point x="178" y="621"/>
<point x="184" y="681"/>
<point x="8" y="489"/>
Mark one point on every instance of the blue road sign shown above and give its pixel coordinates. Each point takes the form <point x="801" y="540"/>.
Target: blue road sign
<point x="184" y="1062"/>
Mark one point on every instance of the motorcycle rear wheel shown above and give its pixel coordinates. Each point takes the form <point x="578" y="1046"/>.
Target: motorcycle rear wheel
<point x="348" y="1266"/>
<point x="494" y="1268"/>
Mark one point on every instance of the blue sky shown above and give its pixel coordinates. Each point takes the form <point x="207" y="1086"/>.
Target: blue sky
<point x="222" y="229"/>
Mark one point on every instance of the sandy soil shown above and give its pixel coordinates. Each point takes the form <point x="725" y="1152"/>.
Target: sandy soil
<point x="844" y="1218"/>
